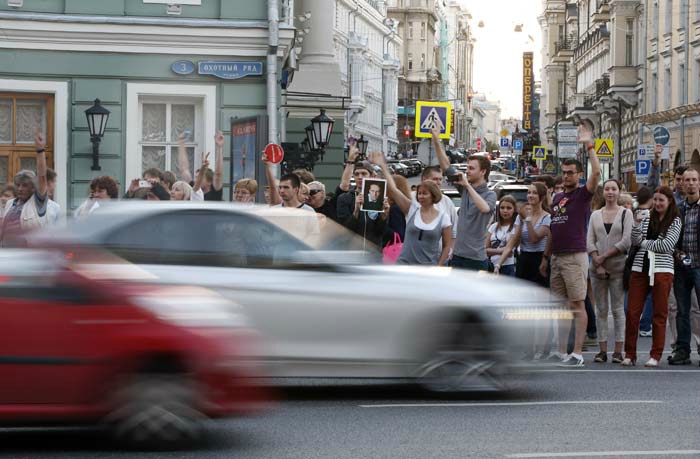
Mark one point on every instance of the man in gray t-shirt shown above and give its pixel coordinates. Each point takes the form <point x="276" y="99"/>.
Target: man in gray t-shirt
<point x="475" y="212"/>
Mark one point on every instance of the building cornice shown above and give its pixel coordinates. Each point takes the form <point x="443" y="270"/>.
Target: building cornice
<point x="671" y="114"/>
<point x="139" y="35"/>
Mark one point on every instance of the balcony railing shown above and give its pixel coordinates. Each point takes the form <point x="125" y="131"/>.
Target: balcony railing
<point x="601" y="86"/>
<point x="564" y="44"/>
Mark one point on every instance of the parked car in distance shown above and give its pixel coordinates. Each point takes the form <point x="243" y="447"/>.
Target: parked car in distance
<point x="413" y="168"/>
<point x="397" y="168"/>
<point x="517" y="190"/>
<point x="151" y="361"/>
<point x="418" y="165"/>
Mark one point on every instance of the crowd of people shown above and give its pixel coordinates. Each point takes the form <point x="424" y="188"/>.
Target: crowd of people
<point x="605" y="252"/>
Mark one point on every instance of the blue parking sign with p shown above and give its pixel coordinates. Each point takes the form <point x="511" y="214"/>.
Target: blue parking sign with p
<point x="518" y="144"/>
<point x="642" y="167"/>
<point x="504" y="142"/>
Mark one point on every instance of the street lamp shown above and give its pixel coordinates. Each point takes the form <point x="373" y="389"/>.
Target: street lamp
<point x="306" y="148"/>
<point x="97" y="117"/>
<point x="322" y="129"/>
<point x="310" y="140"/>
<point x="362" y="145"/>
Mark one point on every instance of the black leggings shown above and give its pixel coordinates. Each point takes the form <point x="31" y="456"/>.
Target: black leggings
<point x="528" y="267"/>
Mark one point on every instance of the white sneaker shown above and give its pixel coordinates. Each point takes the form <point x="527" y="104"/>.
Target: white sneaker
<point x="628" y="362"/>
<point x="645" y="334"/>
<point x="652" y="362"/>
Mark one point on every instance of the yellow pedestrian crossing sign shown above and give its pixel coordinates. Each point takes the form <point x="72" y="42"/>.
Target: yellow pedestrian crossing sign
<point x="431" y="115"/>
<point x="539" y="152"/>
<point x="604" y="148"/>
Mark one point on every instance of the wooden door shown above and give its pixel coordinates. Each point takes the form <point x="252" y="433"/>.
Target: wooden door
<point x="20" y="115"/>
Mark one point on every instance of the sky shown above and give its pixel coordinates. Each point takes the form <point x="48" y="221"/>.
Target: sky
<point x="498" y="52"/>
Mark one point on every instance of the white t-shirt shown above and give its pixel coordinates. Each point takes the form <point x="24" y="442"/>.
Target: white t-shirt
<point x="442" y="219"/>
<point x="499" y="239"/>
<point x="445" y="205"/>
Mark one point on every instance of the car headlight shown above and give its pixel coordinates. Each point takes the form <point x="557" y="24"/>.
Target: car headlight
<point x="528" y="313"/>
<point x="193" y="308"/>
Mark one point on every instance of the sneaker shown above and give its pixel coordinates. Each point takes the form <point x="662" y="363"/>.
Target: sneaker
<point x="601" y="357"/>
<point x="679" y="358"/>
<point x="537" y="357"/>
<point x="571" y="361"/>
<point x="628" y="362"/>
<point x="617" y="357"/>
<point x="554" y="357"/>
<point x="652" y="362"/>
<point x="645" y="333"/>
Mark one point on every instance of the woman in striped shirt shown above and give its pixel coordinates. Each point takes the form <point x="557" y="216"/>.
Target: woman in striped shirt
<point x="656" y="236"/>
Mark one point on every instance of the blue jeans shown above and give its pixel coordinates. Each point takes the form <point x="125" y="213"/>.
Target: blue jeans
<point x="468" y="263"/>
<point x="508" y="270"/>
<point x="684" y="280"/>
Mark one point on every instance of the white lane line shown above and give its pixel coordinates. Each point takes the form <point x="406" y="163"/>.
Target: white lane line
<point x="563" y="402"/>
<point x="642" y="370"/>
<point x="689" y="452"/>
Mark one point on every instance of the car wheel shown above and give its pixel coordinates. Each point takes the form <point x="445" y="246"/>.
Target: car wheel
<point x="465" y="359"/>
<point x="156" y="412"/>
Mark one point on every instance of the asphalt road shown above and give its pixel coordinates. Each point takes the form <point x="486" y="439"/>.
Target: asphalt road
<point x="601" y="410"/>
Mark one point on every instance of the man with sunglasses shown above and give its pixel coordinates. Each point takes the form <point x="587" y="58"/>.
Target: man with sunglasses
<point x="569" y="263"/>
<point x="321" y="203"/>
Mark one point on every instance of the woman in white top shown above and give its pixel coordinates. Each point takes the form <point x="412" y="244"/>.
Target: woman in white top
<point x="499" y="234"/>
<point x="427" y="227"/>
<point x="608" y="240"/>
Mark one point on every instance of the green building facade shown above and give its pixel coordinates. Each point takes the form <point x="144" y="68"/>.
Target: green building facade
<point x="58" y="56"/>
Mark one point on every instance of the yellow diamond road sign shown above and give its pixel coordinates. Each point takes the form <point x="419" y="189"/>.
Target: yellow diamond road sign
<point x="604" y="148"/>
<point x="539" y="152"/>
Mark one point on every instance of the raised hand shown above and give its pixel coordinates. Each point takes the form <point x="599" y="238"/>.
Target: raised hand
<point x="353" y="152"/>
<point x="377" y="157"/>
<point x="219" y="139"/>
<point x="585" y="133"/>
<point x="39" y="142"/>
<point x="435" y="132"/>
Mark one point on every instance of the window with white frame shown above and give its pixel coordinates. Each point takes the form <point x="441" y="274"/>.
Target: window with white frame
<point x="161" y="122"/>
<point x="422" y="61"/>
<point x="654" y="92"/>
<point x="669" y="17"/>
<point x="422" y="30"/>
<point x="655" y="21"/>
<point x="410" y="61"/>
<point x="682" y="86"/>
<point x="410" y="30"/>
<point x="667" y="88"/>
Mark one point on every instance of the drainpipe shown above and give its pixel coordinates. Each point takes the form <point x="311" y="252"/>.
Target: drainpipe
<point x="683" y="137"/>
<point x="273" y="43"/>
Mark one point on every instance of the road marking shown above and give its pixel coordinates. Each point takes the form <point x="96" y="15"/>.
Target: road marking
<point x="690" y="452"/>
<point x="641" y="370"/>
<point x="563" y="402"/>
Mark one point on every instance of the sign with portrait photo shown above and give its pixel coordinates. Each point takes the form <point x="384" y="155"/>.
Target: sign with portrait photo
<point x="374" y="192"/>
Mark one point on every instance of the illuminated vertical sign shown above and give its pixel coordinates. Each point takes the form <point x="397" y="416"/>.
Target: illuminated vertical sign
<point x="528" y="89"/>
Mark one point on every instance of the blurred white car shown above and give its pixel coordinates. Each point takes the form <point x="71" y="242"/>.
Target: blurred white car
<point x="323" y="310"/>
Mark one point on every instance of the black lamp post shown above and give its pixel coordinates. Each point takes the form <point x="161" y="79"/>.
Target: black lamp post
<point x="362" y="145"/>
<point x="97" y="117"/>
<point x="322" y="129"/>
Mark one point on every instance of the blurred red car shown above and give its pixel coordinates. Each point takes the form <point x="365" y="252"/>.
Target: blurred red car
<point x="151" y="362"/>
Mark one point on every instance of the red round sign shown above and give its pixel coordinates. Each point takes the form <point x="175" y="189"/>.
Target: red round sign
<point x="274" y="153"/>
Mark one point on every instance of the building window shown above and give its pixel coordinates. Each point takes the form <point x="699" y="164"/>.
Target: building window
<point x="162" y="121"/>
<point x="669" y="17"/>
<point x="655" y="21"/>
<point x="696" y="82"/>
<point x="697" y="10"/>
<point x="667" y="88"/>
<point x="422" y="61"/>
<point x="410" y="61"/>
<point x="410" y="30"/>
<point x="20" y="115"/>
<point x="654" y="92"/>
<point x="685" y="13"/>
<point x="422" y="30"/>
<point x="682" y="86"/>
<point x="629" y="43"/>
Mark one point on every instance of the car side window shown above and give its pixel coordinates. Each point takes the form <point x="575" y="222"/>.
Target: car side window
<point x="204" y="238"/>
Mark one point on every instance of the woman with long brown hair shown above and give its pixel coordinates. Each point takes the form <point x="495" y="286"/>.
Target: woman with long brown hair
<point x="656" y="236"/>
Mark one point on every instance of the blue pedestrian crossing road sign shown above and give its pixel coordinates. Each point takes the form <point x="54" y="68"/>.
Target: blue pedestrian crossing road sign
<point x="539" y="152"/>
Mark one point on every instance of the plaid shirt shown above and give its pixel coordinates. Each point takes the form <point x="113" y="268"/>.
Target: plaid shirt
<point x="691" y="246"/>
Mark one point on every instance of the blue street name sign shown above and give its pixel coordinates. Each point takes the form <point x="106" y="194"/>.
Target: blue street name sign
<point x="230" y="70"/>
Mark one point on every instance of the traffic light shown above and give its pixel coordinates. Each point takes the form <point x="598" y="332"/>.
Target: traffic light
<point x="407" y="133"/>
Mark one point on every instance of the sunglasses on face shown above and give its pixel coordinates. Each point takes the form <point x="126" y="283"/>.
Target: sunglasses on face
<point x="314" y="192"/>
